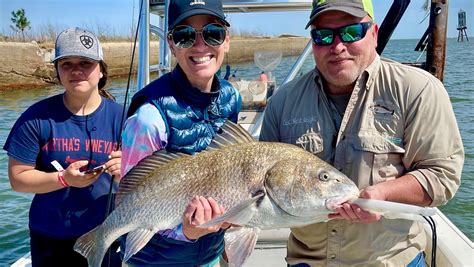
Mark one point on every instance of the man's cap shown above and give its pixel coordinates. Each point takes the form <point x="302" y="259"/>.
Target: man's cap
<point x="77" y="42"/>
<point x="356" y="8"/>
<point x="180" y="10"/>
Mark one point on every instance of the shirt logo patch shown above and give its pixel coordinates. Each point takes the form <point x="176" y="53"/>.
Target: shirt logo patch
<point x="293" y="121"/>
<point x="379" y="109"/>
<point x="311" y="141"/>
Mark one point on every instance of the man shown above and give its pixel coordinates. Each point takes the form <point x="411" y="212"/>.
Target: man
<point x="389" y="127"/>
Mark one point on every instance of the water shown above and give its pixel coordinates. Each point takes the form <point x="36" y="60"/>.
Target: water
<point x="459" y="81"/>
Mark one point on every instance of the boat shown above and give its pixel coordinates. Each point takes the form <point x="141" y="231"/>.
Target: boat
<point x="452" y="247"/>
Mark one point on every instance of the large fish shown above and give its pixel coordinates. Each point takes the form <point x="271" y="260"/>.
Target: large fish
<point x="262" y="185"/>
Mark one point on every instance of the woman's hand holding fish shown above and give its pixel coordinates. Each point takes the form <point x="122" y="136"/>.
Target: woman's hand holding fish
<point x="113" y="165"/>
<point x="199" y="211"/>
<point x="354" y="213"/>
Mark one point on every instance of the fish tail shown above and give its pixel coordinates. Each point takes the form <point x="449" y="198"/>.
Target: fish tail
<point x="93" y="246"/>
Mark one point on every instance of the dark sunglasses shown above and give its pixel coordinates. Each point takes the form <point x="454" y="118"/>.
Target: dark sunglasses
<point x="348" y="34"/>
<point x="185" y="36"/>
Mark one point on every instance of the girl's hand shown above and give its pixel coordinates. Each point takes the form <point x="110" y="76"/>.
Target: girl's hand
<point x="113" y="165"/>
<point x="75" y="178"/>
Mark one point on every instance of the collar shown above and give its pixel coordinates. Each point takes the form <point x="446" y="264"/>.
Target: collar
<point x="190" y="94"/>
<point x="372" y="70"/>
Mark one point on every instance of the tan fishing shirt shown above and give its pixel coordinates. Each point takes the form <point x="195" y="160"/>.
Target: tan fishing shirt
<point x="399" y="120"/>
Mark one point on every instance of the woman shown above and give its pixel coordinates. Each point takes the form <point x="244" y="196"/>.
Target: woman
<point x="182" y="111"/>
<point x="77" y="130"/>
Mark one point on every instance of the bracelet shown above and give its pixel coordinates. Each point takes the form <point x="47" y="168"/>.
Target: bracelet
<point x="61" y="179"/>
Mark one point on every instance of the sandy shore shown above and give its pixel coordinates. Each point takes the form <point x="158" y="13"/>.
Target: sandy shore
<point x="27" y="65"/>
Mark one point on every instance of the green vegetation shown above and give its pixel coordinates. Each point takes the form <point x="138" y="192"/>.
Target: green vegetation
<point x="106" y="32"/>
<point x="20" y="22"/>
<point x="47" y="32"/>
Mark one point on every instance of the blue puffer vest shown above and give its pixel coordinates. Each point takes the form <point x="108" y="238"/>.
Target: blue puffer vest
<point x="192" y="119"/>
<point x="191" y="116"/>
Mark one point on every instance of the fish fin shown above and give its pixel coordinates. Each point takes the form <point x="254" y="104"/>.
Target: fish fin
<point x="239" y="244"/>
<point x="92" y="250"/>
<point x="239" y="214"/>
<point x="230" y="134"/>
<point x="146" y="167"/>
<point x="136" y="240"/>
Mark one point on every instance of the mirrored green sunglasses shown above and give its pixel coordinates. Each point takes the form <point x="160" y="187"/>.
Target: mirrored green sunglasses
<point x="347" y="34"/>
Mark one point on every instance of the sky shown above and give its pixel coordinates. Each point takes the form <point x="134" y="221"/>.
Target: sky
<point x="117" y="16"/>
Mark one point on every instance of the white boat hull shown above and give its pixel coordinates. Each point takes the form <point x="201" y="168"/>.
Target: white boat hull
<point x="454" y="248"/>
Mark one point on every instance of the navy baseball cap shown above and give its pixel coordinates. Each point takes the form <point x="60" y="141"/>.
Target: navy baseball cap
<point x="77" y="42"/>
<point x="356" y="8"/>
<point x="180" y="10"/>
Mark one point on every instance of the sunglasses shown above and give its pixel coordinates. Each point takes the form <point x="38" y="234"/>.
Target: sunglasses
<point x="185" y="36"/>
<point x="347" y="34"/>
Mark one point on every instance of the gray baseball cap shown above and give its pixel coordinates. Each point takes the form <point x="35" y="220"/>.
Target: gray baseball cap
<point x="78" y="42"/>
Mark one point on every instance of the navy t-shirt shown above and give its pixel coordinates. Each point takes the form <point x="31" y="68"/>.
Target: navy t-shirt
<point x="48" y="131"/>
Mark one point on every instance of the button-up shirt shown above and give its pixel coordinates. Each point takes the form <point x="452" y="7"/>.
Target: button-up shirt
<point x="399" y="120"/>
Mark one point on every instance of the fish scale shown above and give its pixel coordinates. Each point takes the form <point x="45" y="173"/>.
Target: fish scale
<point x="262" y="185"/>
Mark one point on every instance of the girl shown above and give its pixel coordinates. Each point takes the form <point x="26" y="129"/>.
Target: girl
<point x="64" y="149"/>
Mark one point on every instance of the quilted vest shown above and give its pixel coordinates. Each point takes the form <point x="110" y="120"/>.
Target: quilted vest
<point x="192" y="117"/>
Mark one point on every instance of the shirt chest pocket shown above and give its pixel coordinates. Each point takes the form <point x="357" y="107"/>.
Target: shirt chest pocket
<point x="385" y="118"/>
<point x="375" y="159"/>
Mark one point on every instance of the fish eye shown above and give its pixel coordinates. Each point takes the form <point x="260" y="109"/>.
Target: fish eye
<point x="323" y="176"/>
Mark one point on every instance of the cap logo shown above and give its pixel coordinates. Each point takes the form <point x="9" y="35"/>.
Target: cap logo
<point x="86" y="41"/>
<point x="197" y="2"/>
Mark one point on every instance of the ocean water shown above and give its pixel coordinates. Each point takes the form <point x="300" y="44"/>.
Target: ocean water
<point x="459" y="81"/>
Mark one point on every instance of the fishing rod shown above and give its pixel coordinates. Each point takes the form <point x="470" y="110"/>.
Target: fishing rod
<point x="127" y="91"/>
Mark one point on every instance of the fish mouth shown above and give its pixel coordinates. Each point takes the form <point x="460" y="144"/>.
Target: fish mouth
<point x="334" y="202"/>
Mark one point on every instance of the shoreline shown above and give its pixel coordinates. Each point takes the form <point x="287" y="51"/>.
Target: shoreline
<point x="28" y="65"/>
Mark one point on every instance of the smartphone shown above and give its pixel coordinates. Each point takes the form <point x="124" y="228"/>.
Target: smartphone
<point x="96" y="169"/>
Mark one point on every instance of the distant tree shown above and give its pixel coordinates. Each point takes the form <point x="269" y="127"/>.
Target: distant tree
<point x="21" y="22"/>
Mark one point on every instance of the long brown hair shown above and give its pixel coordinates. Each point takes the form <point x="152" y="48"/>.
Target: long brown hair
<point x="102" y="81"/>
